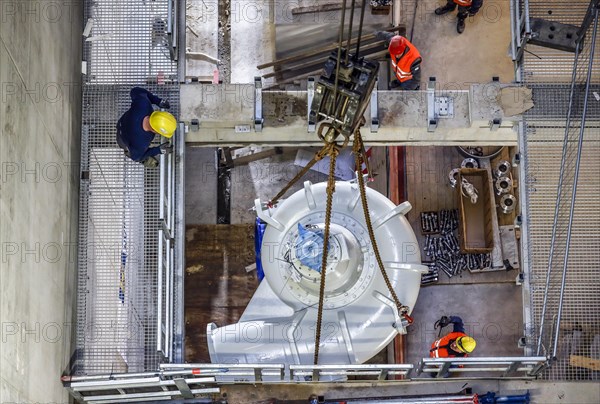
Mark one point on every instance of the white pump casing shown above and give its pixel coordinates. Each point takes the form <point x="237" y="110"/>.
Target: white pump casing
<point x="359" y="315"/>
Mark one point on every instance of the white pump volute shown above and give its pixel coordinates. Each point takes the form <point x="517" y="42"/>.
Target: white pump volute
<point x="359" y="316"/>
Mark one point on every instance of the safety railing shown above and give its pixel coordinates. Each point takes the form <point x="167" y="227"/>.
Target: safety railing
<point x="526" y="366"/>
<point x="357" y="373"/>
<point x="231" y="373"/>
<point x="166" y="248"/>
<point x="138" y="387"/>
<point x="190" y="380"/>
<point x="520" y="28"/>
<point x="576" y="128"/>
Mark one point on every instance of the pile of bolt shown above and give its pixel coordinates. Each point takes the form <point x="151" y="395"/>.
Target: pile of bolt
<point x="444" y="251"/>
<point x="431" y="276"/>
<point x="433" y="222"/>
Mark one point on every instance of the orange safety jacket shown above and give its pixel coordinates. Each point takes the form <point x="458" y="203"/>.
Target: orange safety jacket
<point x="464" y="3"/>
<point x="441" y="347"/>
<point x="404" y="63"/>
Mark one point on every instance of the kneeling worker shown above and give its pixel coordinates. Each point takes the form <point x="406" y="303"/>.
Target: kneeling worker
<point x="456" y="343"/>
<point x="138" y="126"/>
<point x="406" y="61"/>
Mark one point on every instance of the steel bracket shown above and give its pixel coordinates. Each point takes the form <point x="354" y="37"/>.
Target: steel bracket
<point x="495" y="124"/>
<point x="312" y="125"/>
<point x="552" y="34"/>
<point x="183" y="387"/>
<point x="444" y="107"/>
<point x="432" y="121"/>
<point x="258" y="107"/>
<point x="374" y="109"/>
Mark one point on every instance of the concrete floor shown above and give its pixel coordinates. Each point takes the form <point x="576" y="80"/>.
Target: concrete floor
<point x="200" y="186"/>
<point x="474" y="56"/>
<point x="496" y="324"/>
<point x="40" y="64"/>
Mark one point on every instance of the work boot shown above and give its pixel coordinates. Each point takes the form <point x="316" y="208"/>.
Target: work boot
<point x="460" y="25"/>
<point x="444" y="9"/>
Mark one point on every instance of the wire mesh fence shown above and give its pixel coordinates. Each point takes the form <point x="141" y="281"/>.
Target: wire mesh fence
<point x="551" y="138"/>
<point x="544" y="65"/>
<point x="125" y="44"/>
<point x="128" y="42"/>
<point x="118" y="251"/>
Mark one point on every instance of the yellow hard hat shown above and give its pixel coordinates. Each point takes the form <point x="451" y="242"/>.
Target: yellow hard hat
<point x="163" y="123"/>
<point x="465" y="344"/>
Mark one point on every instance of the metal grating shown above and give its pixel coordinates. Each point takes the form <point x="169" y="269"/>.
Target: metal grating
<point x="571" y="12"/>
<point x="552" y="103"/>
<point x="125" y="44"/>
<point x="544" y="65"/>
<point x="544" y="148"/>
<point x="118" y="236"/>
<point x="582" y="291"/>
<point x="128" y="42"/>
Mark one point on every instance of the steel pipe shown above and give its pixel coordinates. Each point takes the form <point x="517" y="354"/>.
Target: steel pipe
<point x="508" y="202"/>
<point x="503" y="185"/>
<point x="469" y="162"/>
<point x="502" y="168"/>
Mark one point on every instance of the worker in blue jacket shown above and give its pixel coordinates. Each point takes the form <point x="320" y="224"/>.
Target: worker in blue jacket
<point x="138" y="126"/>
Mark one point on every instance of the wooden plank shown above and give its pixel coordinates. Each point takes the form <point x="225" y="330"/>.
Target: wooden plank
<point x="584" y="362"/>
<point x="217" y="286"/>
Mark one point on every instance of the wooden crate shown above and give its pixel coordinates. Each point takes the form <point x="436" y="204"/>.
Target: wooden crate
<point x="476" y="227"/>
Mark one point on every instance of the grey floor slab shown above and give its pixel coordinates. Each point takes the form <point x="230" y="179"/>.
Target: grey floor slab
<point x="202" y="30"/>
<point x="474" y="56"/>
<point x="200" y="186"/>
<point x="492" y="314"/>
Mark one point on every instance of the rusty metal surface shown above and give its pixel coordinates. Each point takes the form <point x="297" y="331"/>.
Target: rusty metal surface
<point x="217" y="285"/>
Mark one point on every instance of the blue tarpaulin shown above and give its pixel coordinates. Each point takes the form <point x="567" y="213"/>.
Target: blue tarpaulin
<point x="259" y="231"/>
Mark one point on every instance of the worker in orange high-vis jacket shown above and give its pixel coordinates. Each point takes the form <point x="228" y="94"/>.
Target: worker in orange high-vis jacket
<point x="456" y="343"/>
<point x="406" y="61"/>
<point x="465" y="8"/>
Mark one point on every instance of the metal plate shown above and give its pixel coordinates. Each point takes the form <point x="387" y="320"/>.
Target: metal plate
<point x="444" y="107"/>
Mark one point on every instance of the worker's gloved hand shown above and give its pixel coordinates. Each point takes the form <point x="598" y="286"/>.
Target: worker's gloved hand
<point x="164" y="104"/>
<point x="473" y="10"/>
<point x="166" y="148"/>
<point x="384" y="36"/>
<point x="150" y="162"/>
<point x="442" y="322"/>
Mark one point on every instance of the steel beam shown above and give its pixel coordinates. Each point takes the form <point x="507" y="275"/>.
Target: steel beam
<point x="227" y="117"/>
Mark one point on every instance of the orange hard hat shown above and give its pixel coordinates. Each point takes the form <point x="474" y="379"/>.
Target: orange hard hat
<point x="397" y="45"/>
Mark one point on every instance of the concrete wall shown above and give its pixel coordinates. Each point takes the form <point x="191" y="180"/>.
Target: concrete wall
<point x="40" y="61"/>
